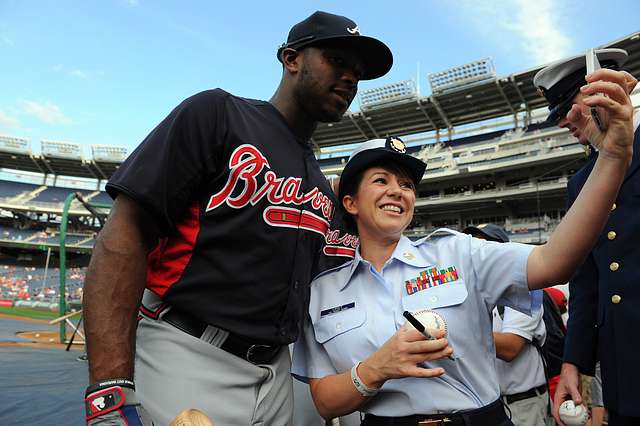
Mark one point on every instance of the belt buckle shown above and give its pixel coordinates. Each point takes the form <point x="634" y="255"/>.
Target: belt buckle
<point x="252" y="351"/>
<point x="434" y="422"/>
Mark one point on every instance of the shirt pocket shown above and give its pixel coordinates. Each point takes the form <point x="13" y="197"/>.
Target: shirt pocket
<point x="446" y="300"/>
<point x="332" y="325"/>
<point x="342" y="335"/>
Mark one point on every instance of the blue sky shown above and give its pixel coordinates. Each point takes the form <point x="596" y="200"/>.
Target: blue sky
<point x="106" y="72"/>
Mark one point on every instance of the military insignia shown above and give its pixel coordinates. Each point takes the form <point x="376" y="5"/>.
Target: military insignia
<point x="431" y="277"/>
<point x="408" y="255"/>
<point x="397" y="145"/>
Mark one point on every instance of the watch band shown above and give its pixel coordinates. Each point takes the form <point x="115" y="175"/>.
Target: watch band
<point x="359" y="384"/>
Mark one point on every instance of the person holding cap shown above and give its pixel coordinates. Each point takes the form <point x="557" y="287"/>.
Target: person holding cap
<point x="358" y="354"/>
<point x="604" y="295"/>
<point x="218" y="225"/>
<point x="518" y="339"/>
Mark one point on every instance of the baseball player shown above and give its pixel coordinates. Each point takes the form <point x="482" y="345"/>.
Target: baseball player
<point x="519" y="363"/>
<point x="218" y="225"/>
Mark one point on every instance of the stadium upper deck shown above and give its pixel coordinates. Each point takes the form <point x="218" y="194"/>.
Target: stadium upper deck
<point x="498" y="97"/>
<point x="512" y="169"/>
<point x="442" y="112"/>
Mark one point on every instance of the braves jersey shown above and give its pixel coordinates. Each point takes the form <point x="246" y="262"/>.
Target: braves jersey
<point x="243" y="210"/>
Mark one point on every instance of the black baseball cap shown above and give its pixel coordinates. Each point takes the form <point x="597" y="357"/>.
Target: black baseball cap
<point x="322" y="27"/>
<point x="560" y="82"/>
<point x="489" y="231"/>
<point x="369" y="152"/>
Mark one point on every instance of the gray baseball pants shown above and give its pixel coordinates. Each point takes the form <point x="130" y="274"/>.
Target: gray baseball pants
<point x="175" y="371"/>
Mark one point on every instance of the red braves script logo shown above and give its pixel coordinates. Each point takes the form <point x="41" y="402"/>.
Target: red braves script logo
<point x="340" y="245"/>
<point x="246" y="163"/>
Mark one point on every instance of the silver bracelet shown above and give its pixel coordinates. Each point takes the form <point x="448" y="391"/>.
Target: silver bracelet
<point x="359" y="384"/>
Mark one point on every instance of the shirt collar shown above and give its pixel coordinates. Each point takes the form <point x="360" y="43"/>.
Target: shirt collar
<point x="405" y="252"/>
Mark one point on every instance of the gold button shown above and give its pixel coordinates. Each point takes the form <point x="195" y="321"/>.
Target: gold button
<point x="613" y="207"/>
<point x="614" y="266"/>
<point x="616" y="299"/>
<point x="611" y="235"/>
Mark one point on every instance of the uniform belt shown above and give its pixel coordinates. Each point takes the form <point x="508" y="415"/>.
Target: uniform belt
<point x="490" y="415"/>
<point x="242" y="347"/>
<point x="538" y="390"/>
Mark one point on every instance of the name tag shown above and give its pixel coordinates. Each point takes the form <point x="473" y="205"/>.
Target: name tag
<point x="337" y="309"/>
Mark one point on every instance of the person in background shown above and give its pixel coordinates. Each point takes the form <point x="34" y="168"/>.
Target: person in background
<point x="598" y="412"/>
<point x="604" y="293"/>
<point x="518" y="339"/>
<point x="555" y="306"/>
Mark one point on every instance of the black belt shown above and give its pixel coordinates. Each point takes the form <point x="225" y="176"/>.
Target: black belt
<point x="490" y="415"/>
<point x="539" y="390"/>
<point x="242" y="347"/>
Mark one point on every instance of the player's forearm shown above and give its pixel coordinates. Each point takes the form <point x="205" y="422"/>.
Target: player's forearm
<point x="112" y="292"/>
<point x="113" y="289"/>
<point x="336" y="395"/>
<point x="556" y="261"/>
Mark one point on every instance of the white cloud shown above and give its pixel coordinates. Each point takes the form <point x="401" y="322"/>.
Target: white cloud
<point x="46" y="112"/>
<point x="83" y="75"/>
<point x="534" y="28"/>
<point x="537" y="22"/>
<point x="132" y="3"/>
<point x="6" y="40"/>
<point x="9" y="121"/>
<point x="76" y="72"/>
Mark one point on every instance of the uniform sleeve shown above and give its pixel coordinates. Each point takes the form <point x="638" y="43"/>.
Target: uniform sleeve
<point x="166" y="169"/>
<point x="310" y="359"/>
<point x="528" y="327"/>
<point x="581" y="340"/>
<point x="500" y="274"/>
<point x="580" y="346"/>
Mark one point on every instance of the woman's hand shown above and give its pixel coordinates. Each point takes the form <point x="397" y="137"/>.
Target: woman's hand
<point x="608" y="92"/>
<point x="400" y="355"/>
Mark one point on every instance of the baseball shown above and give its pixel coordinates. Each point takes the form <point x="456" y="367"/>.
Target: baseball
<point x="431" y="320"/>
<point x="572" y="414"/>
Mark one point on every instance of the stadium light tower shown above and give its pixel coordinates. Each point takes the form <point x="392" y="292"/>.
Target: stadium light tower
<point x="393" y="92"/>
<point x="114" y="154"/>
<point x="462" y="76"/>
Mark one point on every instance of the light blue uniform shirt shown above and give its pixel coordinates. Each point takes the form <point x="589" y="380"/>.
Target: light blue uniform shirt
<point x="526" y="371"/>
<point x="354" y="310"/>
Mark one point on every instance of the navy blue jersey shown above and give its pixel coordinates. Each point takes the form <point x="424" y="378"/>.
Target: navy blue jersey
<point x="244" y="214"/>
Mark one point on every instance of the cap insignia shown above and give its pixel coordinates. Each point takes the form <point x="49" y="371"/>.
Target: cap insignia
<point x="355" y="30"/>
<point x="397" y="145"/>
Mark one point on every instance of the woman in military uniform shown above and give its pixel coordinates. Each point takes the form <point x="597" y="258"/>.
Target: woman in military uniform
<point x="358" y="354"/>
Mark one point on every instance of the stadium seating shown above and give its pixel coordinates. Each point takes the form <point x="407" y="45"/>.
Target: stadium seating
<point x="54" y="194"/>
<point x="9" y="189"/>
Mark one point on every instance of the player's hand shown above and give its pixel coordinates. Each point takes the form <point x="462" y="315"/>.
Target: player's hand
<point x="568" y="388"/>
<point x="400" y="355"/>
<point x="607" y="90"/>
<point x="114" y="404"/>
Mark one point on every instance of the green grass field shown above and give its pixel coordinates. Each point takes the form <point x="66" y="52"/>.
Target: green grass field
<point x="29" y="313"/>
